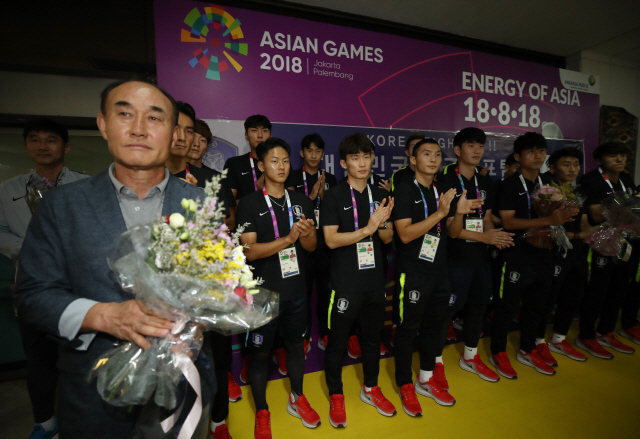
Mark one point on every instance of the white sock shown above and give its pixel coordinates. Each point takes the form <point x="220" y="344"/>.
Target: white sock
<point x="439" y="360"/>
<point x="294" y="396"/>
<point x="469" y="353"/>
<point x="557" y="338"/>
<point x="49" y="424"/>
<point x="425" y="375"/>
<point x="540" y="341"/>
<point x="215" y="425"/>
<point x="367" y="389"/>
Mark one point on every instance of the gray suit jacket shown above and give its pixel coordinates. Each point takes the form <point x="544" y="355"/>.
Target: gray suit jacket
<point x="64" y="257"/>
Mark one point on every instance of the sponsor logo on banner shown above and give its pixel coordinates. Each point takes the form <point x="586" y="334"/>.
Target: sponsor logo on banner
<point x="414" y="296"/>
<point x="514" y="276"/>
<point x="257" y="339"/>
<point x="342" y="305"/>
<point x="601" y="262"/>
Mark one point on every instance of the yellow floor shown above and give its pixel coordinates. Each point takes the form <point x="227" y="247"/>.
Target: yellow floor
<point x="594" y="399"/>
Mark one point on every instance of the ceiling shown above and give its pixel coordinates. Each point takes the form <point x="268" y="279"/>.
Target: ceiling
<point x="103" y="38"/>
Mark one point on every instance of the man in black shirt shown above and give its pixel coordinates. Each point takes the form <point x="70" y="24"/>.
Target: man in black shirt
<point x="312" y="182"/>
<point x="178" y="154"/>
<point x="608" y="277"/>
<point x="406" y="173"/>
<point x="527" y="271"/>
<point x="354" y="219"/>
<point x="244" y="175"/>
<point x="422" y="294"/>
<point x="469" y="263"/>
<point x="275" y="245"/>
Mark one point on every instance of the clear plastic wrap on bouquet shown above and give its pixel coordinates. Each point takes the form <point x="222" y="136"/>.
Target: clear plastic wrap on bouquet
<point x="622" y="214"/>
<point x="545" y="200"/>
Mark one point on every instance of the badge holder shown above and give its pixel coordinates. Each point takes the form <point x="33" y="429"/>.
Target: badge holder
<point x="366" y="254"/>
<point x="473" y="225"/>
<point x="289" y="262"/>
<point x="429" y="247"/>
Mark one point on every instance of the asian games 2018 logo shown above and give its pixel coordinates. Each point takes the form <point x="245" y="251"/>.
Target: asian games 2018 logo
<point x="592" y="80"/>
<point x="205" y="29"/>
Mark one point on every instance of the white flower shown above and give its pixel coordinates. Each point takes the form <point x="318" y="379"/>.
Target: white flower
<point x="185" y="204"/>
<point x="238" y="255"/>
<point x="176" y="221"/>
<point x="192" y="206"/>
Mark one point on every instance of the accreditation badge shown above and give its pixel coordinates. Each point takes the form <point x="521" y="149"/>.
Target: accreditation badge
<point x="317" y="212"/>
<point x="289" y="262"/>
<point x="429" y="247"/>
<point x="473" y="225"/>
<point x="366" y="255"/>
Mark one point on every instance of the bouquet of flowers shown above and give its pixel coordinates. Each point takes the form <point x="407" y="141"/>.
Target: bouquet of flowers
<point x="545" y="200"/>
<point x="622" y="215"/>
<point x="188" y="269"/>
<point x="36" y="189"/>
<point x="573" y="198"/>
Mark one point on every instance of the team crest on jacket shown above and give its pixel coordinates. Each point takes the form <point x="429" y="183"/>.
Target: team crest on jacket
<point x="483" y="194"/>
<point x="376" y="205"/>
<point x="257" y="339"/>
<point x="414" y="296"/>
<point x="601" y="262"/>
<point x="557" y="271"/>
<point x="297" y="211"/>
<point x="514" y="276"/>
<point x="342" y="305"/>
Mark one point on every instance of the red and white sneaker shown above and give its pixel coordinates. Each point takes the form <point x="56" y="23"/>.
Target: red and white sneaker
<point x="235" y="392"/>
<point x="221" y="432"/>
<point x="280" y="358"/>
<point x="410" y="403"/>
<point x="301" y="409"/>
<point x="383" y="350"/>
<point x="632" y="334"/>
<point x="610" y="341"/>
<point x="322" y="342"/>
<point x="337" y="413"/>
<point x="479" y="368"/>
<point x="451" y="334"/>
<point x="545" y="354"/>
<point x="592" y="346"/>
<point x="353" y="347"/>
<point x="565" y="348"/>
<point x="307" y="348"/>
<point x="441" y="378"/>
<point x="432" y="389"/>
<point x="533" y="359"/>
<point x="377" y="399"/>
<point x="244" y="372"/>
<point x="262" y="430"/>
<point x="503" y="365"/>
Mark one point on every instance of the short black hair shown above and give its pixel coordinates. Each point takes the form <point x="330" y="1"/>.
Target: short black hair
<point x="187" y="110"/>
<point x="263" y="148"/>
<point x="44" y="125"/>
<point x="565" y="152"/>
<point x="312" y="138"/>
<point x="610" y="148"/>
<point x="203" y="129"/>
<point x="255" y="121"/>
<point x="415" y="135"/>
<point x="510" y="160"/>
<point x="355" y="144"/>
<point x="109" y="88"/>
<point x="529" y="141"/>
<point x="417" y="146"/>
<point x="469" y="134"/>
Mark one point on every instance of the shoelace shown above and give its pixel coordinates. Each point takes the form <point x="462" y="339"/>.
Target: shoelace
<point x="303" y="404"/>
<point x="263" y="420"/>
<point x="337" y="403"/>
<point x="408" y="394"/>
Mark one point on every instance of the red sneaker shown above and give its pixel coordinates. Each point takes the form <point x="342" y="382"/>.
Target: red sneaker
<point x="377" y="399"/>
<point x="503" y="365"/>
<point x="438" y="372"/>
<point x="432" y="389"/>
<point x="235" y="392"/>
<point x="451" y="334"/>
<point x="383" y="350"/>
<point x="262" y="429"/>
<point x="565" y="348"/>
<point x="337" y="413"/>
<point x="301" y="409"/>
<point x="244" y="372"/>
<point x="221" y="432"/>
<point x="545" y="354"/>
<point x="410" y="403"/>
<point x="610" y="341"/>
<point x="307" y="348"/>
<point x="280" y="358"/>
<point x="322" y="343"/>
<point x="479" y="368"/>
<point x="632" y="334"/>
<point x="353" y="347"/>
<point x="592" y="346"/>
<point x="533" y="359"/>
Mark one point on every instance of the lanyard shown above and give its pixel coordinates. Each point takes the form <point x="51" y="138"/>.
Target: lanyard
<point x="355" y="206"/>
<point x="273" y="215"/>
<point x="424" y="202"/>
<point x="372" y="178"/>
<point x="306" y="190"/>
<point x="253" y="170"/>
<point x="187" y="171"/>
<point x="526" y="189"/>
<point x="478" y="196"/>
<point x="624" y="189"/>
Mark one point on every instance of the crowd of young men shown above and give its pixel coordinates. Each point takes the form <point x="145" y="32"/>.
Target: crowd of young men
<point x="304" y="228"/>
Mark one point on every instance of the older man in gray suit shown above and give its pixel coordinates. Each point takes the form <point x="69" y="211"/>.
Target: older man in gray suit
<point x="65" y="285"/>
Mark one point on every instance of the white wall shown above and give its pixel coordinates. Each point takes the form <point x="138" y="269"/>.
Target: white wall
<point x="619" y="84"/>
